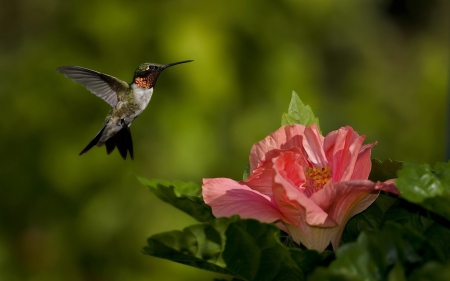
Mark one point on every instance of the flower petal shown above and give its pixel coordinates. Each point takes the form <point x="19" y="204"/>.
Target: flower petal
<point x="363" y="163"/>
<point x="312" y="237"/>
<point x="261" y="179"/>
<point x="343" y="200"/>
<point x="313" y="144"/>
<point x="342" y="148"/>
<point x="283" y="138"/>
<point x="228" y="197"/>
<point x="292" y="203"/>
<point x="388" y="186"/>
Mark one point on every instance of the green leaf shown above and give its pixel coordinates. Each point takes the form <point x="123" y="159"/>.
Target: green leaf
<point x="383" y="171"/>
<point x="298" y="113"/>
<point x="397" y="273"/>
<point x="185" y="196"/>
<point x="422" y="222"/>
<point x="387" y="254"/>
<point x="370" y="219"/>
<point x="432" y="271"/>
<point x="308" y="260"/>
<point x="246" y="172"/>
<point x="388" y="208"/>
<point x="430" y="189"/>
<point x="246" y="249"/>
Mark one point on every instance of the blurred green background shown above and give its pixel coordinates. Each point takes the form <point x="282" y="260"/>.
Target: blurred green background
<point x="379" y="66"/>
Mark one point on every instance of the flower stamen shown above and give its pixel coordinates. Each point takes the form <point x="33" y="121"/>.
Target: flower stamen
<point x="317" y="177"/>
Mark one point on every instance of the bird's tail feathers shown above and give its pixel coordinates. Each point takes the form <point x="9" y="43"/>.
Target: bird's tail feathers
<point x="93" y="141"/>
<point x="123" y="141"/>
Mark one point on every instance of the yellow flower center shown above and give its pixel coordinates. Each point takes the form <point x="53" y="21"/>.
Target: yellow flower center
<point x="317" y="177"/>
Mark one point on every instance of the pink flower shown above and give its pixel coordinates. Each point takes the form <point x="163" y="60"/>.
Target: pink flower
<point x="307" y="184"/>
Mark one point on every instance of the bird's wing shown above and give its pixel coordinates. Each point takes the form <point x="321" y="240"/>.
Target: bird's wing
<point x="102" y="85"/>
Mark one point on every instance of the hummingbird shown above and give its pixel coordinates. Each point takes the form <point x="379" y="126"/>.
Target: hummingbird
<point x="127" y="101"/>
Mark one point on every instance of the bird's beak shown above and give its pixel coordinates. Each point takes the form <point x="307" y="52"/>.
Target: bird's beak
<point x="175" y="63"/>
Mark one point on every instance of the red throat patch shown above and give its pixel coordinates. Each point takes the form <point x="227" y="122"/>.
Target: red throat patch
<point x="143" y="82"/>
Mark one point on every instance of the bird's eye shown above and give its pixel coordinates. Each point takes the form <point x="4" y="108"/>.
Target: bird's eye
<point x="151" y="67"/>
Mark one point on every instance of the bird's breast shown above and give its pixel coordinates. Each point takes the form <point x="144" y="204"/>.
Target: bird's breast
<point x="142" y="96"/>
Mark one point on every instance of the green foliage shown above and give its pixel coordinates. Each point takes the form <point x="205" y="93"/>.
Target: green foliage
<point x="382" y="171"/>
<point x="246" y="249"/>
<point x="372" y="218"/>
<point x="429" y="188"/>
<point x="246" y="172"/>
<point x="185" y="196"/>
<point x="431" y="271"/>
<point x="298" y="113"/>
<point x="390" y="253"/>
<point x="389" y="209"/>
